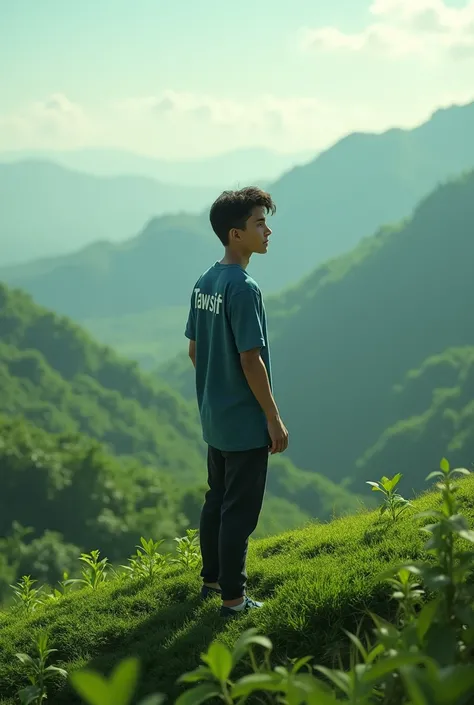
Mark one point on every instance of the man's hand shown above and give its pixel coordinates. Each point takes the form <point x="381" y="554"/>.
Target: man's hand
<point x="278" y="435"/>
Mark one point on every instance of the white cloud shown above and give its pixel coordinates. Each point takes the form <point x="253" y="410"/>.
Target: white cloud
<point x="424" y="28"/>
<point x="178" y="125"/>
<point x="53" y="121"/>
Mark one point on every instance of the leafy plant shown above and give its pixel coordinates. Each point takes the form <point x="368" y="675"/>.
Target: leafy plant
<point x="187" y="549"/>
<point x="94" y="573"/>
<point x="214" y="678"/>
<point x="38" y="673"/>
<point x="148" y="561"/>
<point x="116" y="690"/>
<point x="27" y="597"/>
<point x="64" y="587"/>
<point x="393" y="502"/>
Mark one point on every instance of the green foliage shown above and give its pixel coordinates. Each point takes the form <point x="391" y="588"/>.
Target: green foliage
<point x="73" y="495"/>
<point x="339" y="574"/>
<point x="116" y="690"/>
<point x="27" y="597"/>
<point x="437" y="414"/>
<point x="38" y="673"/>
<point x="148" y="562"/>
<point x="94" y="572"/>
<point x="187" y="549"/>
<point x="423" y="656"/>
<point x="393" y="503"/>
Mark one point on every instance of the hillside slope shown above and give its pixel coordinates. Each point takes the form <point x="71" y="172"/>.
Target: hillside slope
<point x="49" y="210"/>
<point x="436" y="408"/>
<point x="316" y="582"/>
<point x="362" y="182"/>
<point x="54" y="374"/>
<point x="364" y="320"/>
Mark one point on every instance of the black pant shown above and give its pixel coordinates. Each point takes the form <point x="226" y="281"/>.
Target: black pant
<point x="230" y="514"/>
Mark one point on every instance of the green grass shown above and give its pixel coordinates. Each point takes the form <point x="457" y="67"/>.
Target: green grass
<point x="315" y="581"/>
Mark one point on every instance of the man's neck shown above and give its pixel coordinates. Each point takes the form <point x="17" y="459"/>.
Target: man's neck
<point x="232" y="257"/>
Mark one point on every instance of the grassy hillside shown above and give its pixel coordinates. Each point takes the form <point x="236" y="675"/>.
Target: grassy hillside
<point x="344" y="339"/>
<point x="315" y="582"/>
<point x="48" y="209"/>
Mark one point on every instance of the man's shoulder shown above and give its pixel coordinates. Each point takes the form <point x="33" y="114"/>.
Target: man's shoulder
<point x="242" y="282"/>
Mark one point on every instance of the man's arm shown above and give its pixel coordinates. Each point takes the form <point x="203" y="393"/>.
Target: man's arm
<point x="249" y="338"/>
<point x="257" y="377"/>
<point x="192" y="351"/>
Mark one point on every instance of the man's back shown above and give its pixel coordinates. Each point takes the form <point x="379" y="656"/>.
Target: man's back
<point x="226" y="318"/>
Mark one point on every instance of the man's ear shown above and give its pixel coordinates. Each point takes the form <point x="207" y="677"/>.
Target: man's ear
<point x="234" y="234"/>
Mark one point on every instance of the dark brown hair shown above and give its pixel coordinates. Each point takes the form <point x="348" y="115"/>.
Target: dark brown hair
<point x="233" y="208"/>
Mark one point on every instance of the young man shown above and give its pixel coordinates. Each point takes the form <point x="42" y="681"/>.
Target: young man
<point x="240" y="420"/>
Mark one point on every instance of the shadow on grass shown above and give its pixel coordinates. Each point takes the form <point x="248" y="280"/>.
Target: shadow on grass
<point x="167" y="643"/>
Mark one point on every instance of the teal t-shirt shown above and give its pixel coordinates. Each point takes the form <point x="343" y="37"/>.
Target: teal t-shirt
<point x="227" y="317"/>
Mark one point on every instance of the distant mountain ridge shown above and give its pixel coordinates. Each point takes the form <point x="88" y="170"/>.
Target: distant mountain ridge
<point x="49" y="210"/>
<point x="218" y="171"/>
<point x="324" y="208"/>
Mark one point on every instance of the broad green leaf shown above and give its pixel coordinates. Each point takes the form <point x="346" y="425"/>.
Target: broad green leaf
<point x="375" y="487"/>
<point x="155" y="699"/>
<point x="425" y="618"/>
<point x="467" y="534"/>
<point x="378" y="650"/>
<point x="305" y="688"/>
<point x="358" y="644"/>
<point x="435" y="473"/>
<point x="411" y="676"/>
<point x="390" y="665"/>
<point x="455" y="682"/>
<point x="202" y="673"/>
<point x="461" y="471"/>
<point x="25" y="659"/>
<point x="270" y="682"/>
<point x="55" y="670"/>
<point x="29" y="694"/>
<point x="219" y="660"/>
<point x="199" y="694"/>
<point x="395" y="480"/>
<point x="247" y="639"/>
<point x="444" y="465"/>
<point x="339" y="678"/>
<point x="300" y="663"/>
<point x="123" y="681"/>
<point x="91" y="686"/>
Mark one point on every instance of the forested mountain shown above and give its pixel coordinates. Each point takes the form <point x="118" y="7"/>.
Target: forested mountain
<point x="132" y="295"/>
<point x="345" y="340"/>
<point x="324" y="208"/>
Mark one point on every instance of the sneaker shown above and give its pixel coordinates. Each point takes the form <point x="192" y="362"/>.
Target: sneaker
<point x="210" y="592"/>
<point x="247" y="605"/>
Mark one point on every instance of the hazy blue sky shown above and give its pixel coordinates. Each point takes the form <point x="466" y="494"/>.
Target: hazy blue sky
<point x="196" y="77"/>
